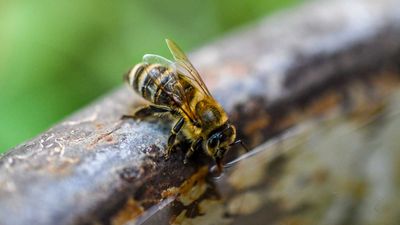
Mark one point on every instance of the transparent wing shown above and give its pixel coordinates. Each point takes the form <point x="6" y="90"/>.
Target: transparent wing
<point x="156" y="59"/>
<point x="183" y="61"/>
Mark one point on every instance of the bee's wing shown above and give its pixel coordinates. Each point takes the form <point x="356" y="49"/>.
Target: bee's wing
<point x="156" y="59"/>
<point x="178" y="95"/>
<point x="190" y="72"/>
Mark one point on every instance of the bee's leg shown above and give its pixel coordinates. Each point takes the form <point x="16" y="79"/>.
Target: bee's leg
<point x="172" y="137"/>
<point x="147" y="111"/>
<point x="195" y="145"/>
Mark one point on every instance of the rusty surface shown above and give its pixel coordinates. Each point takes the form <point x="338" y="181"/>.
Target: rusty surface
<point x="295" y="80"/>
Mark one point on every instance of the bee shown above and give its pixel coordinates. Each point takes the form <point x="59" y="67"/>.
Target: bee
<point x="177" y="88"/>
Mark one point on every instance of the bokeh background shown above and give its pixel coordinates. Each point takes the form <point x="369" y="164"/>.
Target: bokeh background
<point x="56" y="56"/>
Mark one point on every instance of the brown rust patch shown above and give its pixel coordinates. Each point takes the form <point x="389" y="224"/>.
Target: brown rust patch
<point x="191" y="190"/>
<point x="321" y="105"/>
<point x="258" y="118"/>
<point x="288" y="120"/>
<point x="255" y="126"/>
<point x="318" y="107"/>
<point x="170" y="192"/>
<point x="129" y="213"/>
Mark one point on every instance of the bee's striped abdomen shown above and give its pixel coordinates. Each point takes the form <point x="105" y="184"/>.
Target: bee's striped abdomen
<point x="153" y="82"/>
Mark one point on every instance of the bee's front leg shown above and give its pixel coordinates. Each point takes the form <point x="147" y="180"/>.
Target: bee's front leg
<point x="195" y="145"/>
<point x="147" y="111"/>
<point x="172" y="137"/>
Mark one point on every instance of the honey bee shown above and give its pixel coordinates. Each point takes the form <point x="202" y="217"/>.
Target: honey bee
<point x="177" y="88"/>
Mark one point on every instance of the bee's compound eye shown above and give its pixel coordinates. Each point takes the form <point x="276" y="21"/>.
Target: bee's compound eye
<point x="213" y="142"/>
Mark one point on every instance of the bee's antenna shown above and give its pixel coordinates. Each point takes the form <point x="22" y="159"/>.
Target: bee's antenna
<point x="241" y="143"/>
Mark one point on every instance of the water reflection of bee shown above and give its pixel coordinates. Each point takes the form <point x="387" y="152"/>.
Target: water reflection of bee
<point x="177" y="88"/>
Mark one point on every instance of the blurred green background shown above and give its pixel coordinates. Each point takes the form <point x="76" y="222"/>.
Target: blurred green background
<point x="56" y="56"/>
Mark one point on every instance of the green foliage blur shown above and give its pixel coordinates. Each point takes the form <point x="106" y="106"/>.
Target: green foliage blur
<point x="57" y="56"/>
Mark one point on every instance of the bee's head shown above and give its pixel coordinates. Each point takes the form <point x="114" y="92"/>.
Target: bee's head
<point x="219" y="140"/>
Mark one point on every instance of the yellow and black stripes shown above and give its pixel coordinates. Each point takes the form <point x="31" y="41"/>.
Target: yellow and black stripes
<point x="153" y="82"/>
